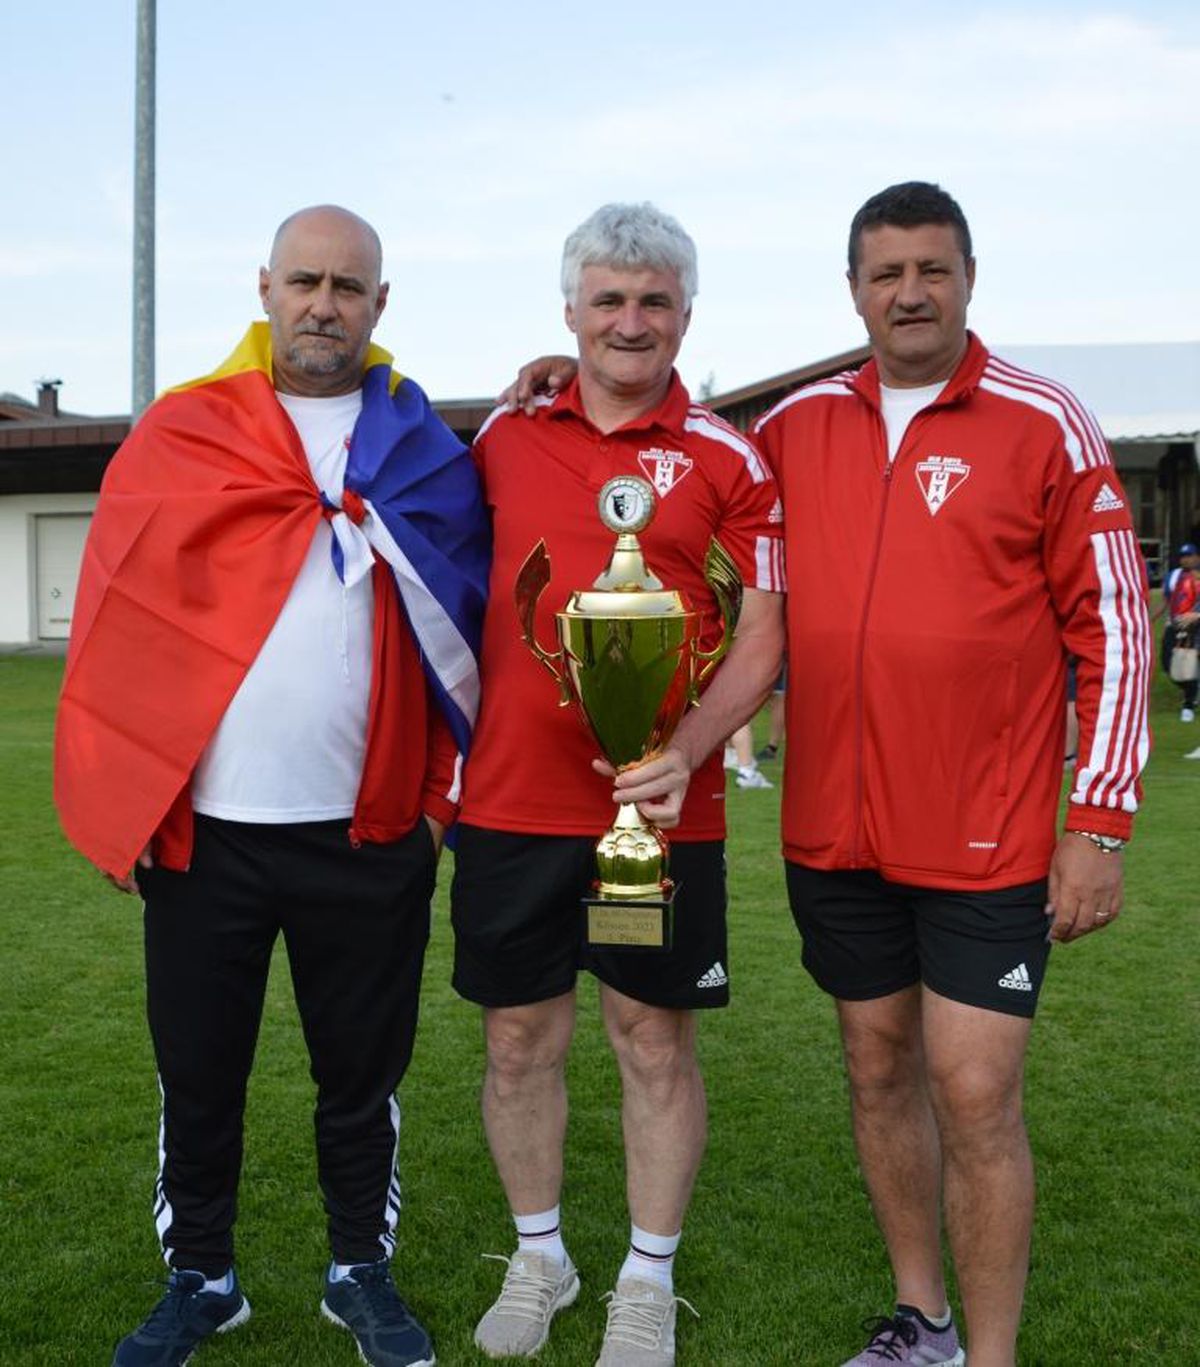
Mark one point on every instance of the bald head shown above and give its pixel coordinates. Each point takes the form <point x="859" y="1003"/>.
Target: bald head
<point x="329" y="216"/>
<point x="323" y="295"/>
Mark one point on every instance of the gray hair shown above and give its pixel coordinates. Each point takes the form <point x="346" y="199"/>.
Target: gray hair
<point x="630" y="237"/>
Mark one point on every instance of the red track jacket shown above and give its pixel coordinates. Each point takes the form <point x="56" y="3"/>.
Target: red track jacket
<point x="934" y="603"/>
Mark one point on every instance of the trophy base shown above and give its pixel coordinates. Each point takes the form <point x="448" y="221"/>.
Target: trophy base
<point x="632" y="923"/>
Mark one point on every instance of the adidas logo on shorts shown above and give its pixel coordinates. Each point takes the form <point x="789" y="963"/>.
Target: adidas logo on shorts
<point x="715" y="977"/>
<point x="1017" y="979"/>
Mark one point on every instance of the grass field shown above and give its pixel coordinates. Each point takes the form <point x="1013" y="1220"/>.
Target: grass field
<point x="780" y="1255"/>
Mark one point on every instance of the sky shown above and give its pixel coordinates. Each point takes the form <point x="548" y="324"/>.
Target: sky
<point x="476" y="136"/>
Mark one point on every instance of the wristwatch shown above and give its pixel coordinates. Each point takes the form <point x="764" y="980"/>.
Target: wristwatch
<point x="1106" y="844"/>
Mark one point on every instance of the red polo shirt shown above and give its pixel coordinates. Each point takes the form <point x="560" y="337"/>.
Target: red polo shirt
<point x="530" y="765"/>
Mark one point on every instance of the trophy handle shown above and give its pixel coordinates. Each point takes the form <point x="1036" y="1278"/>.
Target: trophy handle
<point x="723" y="578"/>
<point x="532" y="579"/>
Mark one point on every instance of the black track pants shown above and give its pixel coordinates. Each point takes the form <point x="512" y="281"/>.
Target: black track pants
<point x="355" y="922"/>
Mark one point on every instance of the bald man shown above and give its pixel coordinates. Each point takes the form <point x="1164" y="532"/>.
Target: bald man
<point x="270" y="685"/>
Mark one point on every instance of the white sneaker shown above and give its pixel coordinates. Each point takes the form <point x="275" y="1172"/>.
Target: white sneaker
<point x="535" y="1289"/>
<point x="1187" y="714"/>
<point x="753" y="778"/>
<point x="641" y="1325"/>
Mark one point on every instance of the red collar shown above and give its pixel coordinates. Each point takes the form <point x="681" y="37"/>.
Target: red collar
<point x="670" y="414"/>
<point x="960" y="385"/>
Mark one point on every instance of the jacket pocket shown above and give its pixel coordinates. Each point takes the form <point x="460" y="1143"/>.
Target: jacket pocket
<point x="937" y="756"/>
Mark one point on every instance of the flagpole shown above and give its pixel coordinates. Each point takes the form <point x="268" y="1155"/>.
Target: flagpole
<point x="143" y="212"/>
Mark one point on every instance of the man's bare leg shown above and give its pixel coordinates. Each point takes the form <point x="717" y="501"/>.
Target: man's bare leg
<point x="525" y="1116"/>
<point x="976" y="1067"/>
<point x="897" y="1139"/>
<point x="525" y="1098"/>
<point x="776" y="719"/>
<point x="664" y="1114"/>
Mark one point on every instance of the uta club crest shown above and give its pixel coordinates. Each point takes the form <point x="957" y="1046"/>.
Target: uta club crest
<point x="664" y="469"/>
<point x="938" y="477"/>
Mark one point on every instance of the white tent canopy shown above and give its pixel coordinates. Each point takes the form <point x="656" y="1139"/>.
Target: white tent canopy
<point x="1140" y="392"/>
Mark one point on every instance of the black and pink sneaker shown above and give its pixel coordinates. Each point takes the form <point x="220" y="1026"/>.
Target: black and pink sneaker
<point x="908" y="1337"/>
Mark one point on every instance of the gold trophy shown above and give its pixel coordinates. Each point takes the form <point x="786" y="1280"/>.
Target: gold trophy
<point x="628" y="658"/>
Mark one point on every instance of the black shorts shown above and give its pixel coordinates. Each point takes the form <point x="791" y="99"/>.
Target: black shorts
<point x="865" y="937"/>
<point x="519" y="923"/>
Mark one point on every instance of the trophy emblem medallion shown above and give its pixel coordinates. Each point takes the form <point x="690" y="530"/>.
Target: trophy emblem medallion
<point x="629" y="661"/>
<point x="626" y="504"/>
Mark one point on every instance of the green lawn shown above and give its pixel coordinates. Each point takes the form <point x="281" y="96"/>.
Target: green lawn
<point x="780" y="1255"/>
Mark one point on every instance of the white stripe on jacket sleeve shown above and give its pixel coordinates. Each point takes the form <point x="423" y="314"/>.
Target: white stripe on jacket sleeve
<point x="1107" y="776"/>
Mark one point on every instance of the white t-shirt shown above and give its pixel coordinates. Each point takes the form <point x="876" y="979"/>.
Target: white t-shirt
<point x="291" y="743"/>
<point x="900" y="407"/>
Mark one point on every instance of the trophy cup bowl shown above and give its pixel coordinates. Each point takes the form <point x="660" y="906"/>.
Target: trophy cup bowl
<point x="628" y="660"/>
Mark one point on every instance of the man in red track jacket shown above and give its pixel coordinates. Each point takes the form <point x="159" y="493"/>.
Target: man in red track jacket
<point x="954" y="530"/>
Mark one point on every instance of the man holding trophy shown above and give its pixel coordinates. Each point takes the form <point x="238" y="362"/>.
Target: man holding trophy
<point x="622" y="450"/>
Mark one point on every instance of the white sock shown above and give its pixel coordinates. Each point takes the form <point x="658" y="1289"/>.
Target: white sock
<point x="338" y="1272"/>
<point x="222" y="1285"/>
<point x="651" y="1257"/>
<point x="941" y="1321"/>
<point x="541" y="1233"/>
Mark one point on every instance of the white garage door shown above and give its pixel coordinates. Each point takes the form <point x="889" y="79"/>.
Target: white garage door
<point x="60" y="541"/>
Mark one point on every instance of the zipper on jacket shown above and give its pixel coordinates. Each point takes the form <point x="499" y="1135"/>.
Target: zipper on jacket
<point x="860" y="666"/>
<point x="860" y="662"/>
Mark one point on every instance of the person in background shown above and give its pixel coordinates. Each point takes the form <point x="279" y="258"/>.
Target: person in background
<point x="740" y="750"/>
<point x="776" y="719"/>
<point x="1181" y="604"/>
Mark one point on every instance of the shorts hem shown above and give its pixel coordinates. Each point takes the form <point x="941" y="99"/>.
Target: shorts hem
<point x="495" y="1001"/>
<point x="864" y="994"/>
<point x="711" y="1002"/>
<point x="1016" y="1006"/>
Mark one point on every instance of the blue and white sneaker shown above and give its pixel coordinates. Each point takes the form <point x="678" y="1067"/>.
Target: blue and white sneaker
<point x="908" y="1337"/>
<point x="367" y="1304"/>
<point x="185" y="1317"/>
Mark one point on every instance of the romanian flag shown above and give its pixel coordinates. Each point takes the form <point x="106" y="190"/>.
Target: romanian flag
<point x="205" y="516"/>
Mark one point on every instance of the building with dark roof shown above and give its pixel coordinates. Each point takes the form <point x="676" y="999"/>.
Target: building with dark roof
<point x="1146" y="398"/>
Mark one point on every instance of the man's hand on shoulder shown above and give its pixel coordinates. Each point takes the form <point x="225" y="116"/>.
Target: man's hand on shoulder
<point x="546" y="375"/>
<point x="1086" y="888"/>
<point x="657" y="785"/>
<point x="129" y="882"/>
